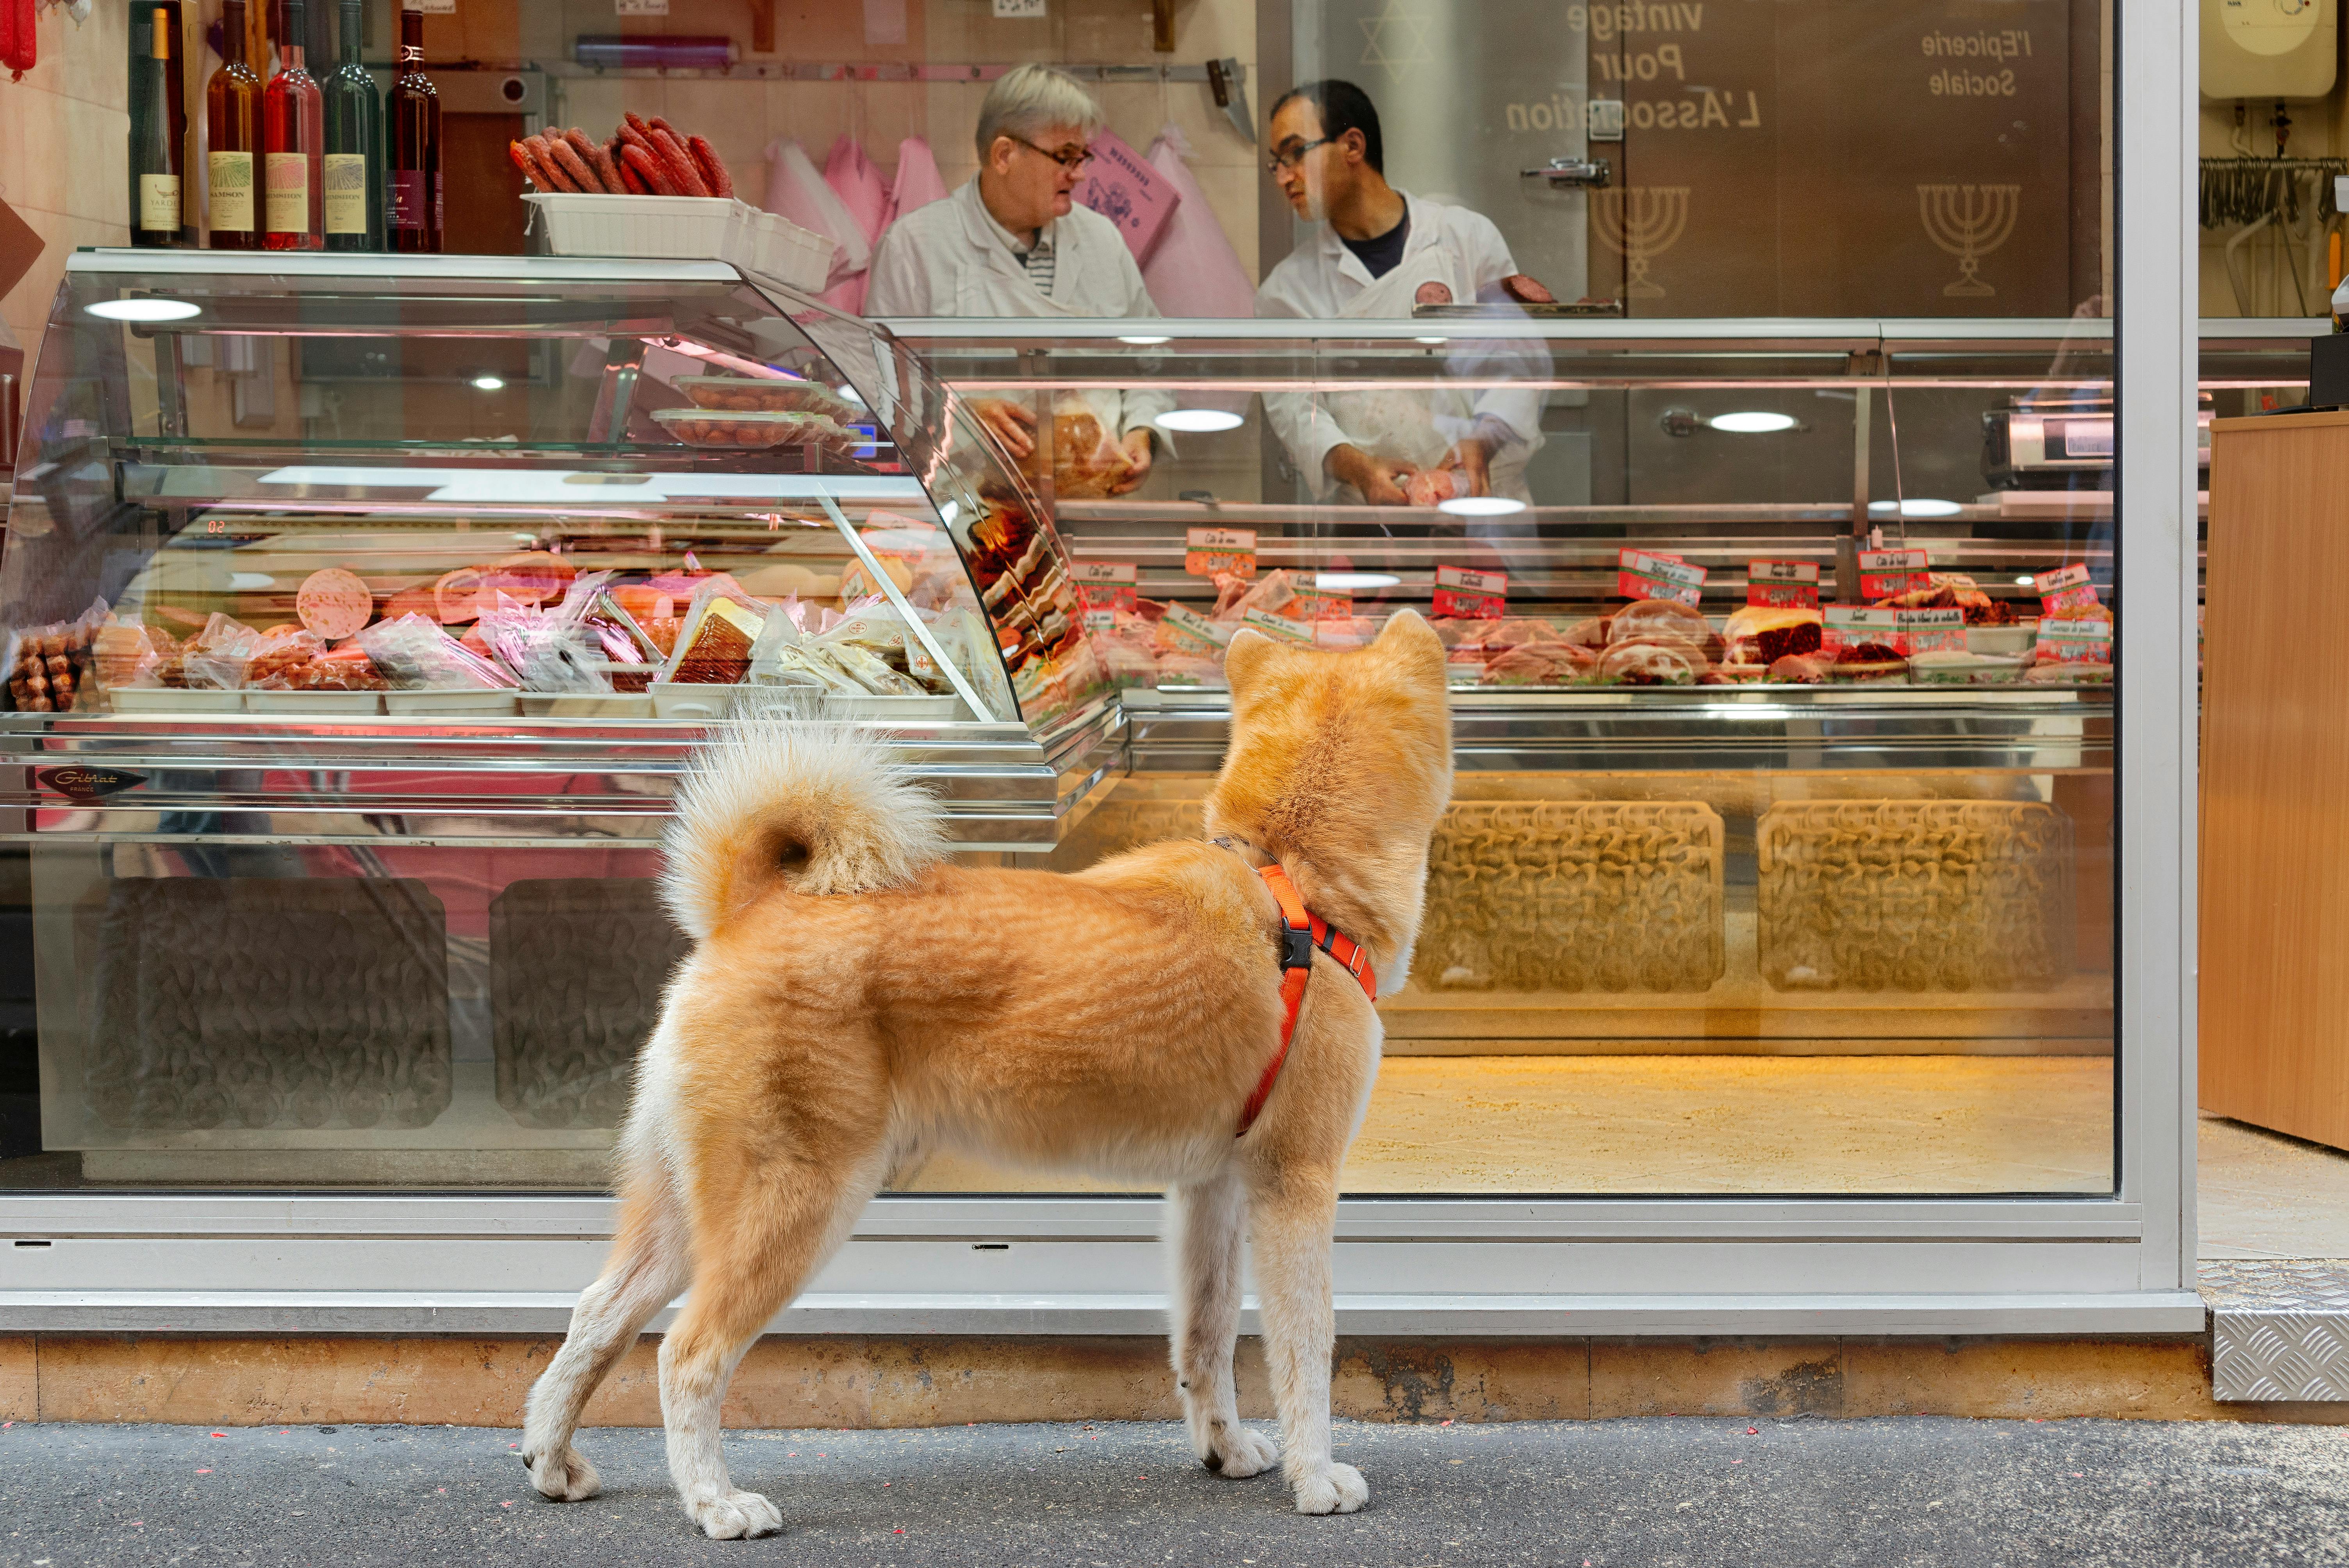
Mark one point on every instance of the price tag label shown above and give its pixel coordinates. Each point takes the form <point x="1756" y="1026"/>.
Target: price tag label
<point x="1313" y="605"/>
<point x="1783" y="585"/>
<point x="2066" y="588"/>
<point x="1280" y="628"/>
<point x="1020" y="10"/>
<point x="1195" y="632"/>
<point x="1930" y="631"/>
<point x="1101" y="620"/>
<point x="1466" y="596"/>
<point x="1643" y="574"/>
<point x="1848" y="625"/>
<point x="641" y="7"/>
<point x="1207" y="551"/>
<point x="1884" y="573"/>
<point x="2076" y="642"/>
<point x="1105" y="585"/>
<point x="439" y="7"/>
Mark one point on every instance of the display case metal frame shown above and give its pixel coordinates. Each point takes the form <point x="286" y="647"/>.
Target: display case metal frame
<point x="475" y="1263"/>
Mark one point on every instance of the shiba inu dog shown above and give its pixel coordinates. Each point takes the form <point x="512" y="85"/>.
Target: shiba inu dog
<point x="854" y="997"/>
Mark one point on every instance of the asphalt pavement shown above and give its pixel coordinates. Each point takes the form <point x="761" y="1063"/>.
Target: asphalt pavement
<point x="1657" y="1493"/>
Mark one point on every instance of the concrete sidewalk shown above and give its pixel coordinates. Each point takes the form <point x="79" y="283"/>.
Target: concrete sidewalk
<point x="1801" y="1494"/>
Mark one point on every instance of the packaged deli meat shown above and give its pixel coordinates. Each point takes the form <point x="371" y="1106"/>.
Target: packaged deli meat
<point x="749" y="395"/>
<point x="719" y="427"/>
<point x="48" y="665"/>
<point x="333" y="604"/>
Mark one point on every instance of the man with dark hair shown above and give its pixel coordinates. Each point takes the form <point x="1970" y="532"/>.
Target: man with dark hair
<point x="1381" y="253"/>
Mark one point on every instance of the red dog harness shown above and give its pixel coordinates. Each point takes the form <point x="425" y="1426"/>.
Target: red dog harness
<point x="1301" y="930"/>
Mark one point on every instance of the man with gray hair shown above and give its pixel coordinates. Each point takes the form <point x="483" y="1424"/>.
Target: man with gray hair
<point x="1012" y="243"/>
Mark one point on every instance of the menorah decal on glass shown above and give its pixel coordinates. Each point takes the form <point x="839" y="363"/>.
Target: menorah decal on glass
<point x="1969" y="221"/>
<point x="1639" y="223"/>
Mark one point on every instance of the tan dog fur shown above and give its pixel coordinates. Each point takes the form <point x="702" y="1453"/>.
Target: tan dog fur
<point x="852" y="1000"/>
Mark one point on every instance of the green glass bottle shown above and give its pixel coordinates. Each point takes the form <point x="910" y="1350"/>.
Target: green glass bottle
<point x="353" y="170"/>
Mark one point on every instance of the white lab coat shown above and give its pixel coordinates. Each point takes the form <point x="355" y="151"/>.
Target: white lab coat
<point x="1322" y="280"/>
<point x="950" y="258"/>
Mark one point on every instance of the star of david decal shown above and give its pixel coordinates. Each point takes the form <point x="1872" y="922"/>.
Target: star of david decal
<point x="1396" y="39"/>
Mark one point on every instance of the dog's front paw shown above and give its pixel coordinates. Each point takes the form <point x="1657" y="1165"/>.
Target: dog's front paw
<point x="564" y="1475"/>
<point x="1234" y="1452"/>
<point x="737" y="1516"/>
<point x="1339" y="1489"/>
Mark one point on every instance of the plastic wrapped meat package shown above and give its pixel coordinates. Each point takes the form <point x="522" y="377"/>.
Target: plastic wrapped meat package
<point x="415" y="653"/>
<point x="294" y="658"/>
<point x="1763" y="634"/>
<point x="563" y="647"/>
<point x="48" y="665"/>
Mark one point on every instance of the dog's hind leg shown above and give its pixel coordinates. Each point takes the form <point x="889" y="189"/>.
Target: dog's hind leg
<point x="765" y="1219"/>
<point x="649" y="1264"/>
<point x="1205" y="1242"/>
<point x="1294" y="1207"/>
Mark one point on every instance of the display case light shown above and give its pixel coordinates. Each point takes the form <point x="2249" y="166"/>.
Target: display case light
<point x="1353" y="582"/>
<point x="1432" y="342"/>
<point x="2025" y="581"/>
<point x="1923" y="507"/>
<point x="1141" y="340"/>
<point x="144" y="307"/>
<point x="1480" y="506"/>
<point x="490" y="383"/>
<point x="1197" y="422"/>
<point x="1752" y="422"/>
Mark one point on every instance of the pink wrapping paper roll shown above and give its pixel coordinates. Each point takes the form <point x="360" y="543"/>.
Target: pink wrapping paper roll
<point x="859" y="186"/>
<point x="796" y="191"/>
<point x="917" y="183"/>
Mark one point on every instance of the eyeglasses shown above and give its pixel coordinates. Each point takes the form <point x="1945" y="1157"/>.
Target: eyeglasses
<point x="1289" y="157"/>
<point x="1073" y="159"/>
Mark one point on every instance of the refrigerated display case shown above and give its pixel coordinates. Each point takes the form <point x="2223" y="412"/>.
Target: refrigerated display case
<point x="1840" y="930"/>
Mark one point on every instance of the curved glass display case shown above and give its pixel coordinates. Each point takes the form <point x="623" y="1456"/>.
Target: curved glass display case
<point x="362" y="617"/>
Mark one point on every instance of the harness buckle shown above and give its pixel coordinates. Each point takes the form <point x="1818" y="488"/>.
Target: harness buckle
<point x="1296" y="946"/>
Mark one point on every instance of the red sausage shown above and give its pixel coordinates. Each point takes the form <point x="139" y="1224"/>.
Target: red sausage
<point x="646" y="169"/>
<point x="599" y="161"/>
<point x="556" y="179"/>
<point x="713" y="172"/>
<point x="678" y="164"/>
<point x="574" y="168"/>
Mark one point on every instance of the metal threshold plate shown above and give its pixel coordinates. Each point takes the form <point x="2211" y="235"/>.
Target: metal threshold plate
<point x="2279" y="1330"/>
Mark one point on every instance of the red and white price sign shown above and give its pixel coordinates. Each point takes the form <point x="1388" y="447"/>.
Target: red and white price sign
<point x="2066" y="588"/>
<point x="1644" y="574"/>
<point x="1207" y="551"/>
<point x="1930" y="631"/>
<point x="1847" y="625"/>
<point x="1193" y="632"/>
<point x="1468" y="595"/>
<point x="1105" y="585"/>
<point x="1884" y="573"/>
<point x="2076" y="642"/>
<point x="1783" y="585"/>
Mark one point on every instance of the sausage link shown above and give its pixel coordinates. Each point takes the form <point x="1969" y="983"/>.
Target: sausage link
<point x="713" y="170"/>
<point x="647" y="169"/>
<point x="599" y="162"/>
<point x="636" y="123"/>
<point x="678" y="164"/>
<point x="630" y="180"/>
<point x="536" y="145"/>
<point x="574" y="168"/>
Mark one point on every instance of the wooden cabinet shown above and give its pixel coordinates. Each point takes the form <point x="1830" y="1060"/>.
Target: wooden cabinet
<point x="2275" y="777"/>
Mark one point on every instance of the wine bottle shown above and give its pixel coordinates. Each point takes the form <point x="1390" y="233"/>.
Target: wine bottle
<point x="354" y="163"/>
<point x="415" y="175"/>
<point x="232" y="128"/>
<point x="294" y="146"/>
<point x="156" y="144"/>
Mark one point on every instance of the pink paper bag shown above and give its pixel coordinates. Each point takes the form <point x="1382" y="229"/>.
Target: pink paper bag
<point x="1123" y="187"/>
<point x="1194" y="271"/>
<point x="859" y="186"/>
<point x="797" y="191"/>
<point x="918" y="183"/>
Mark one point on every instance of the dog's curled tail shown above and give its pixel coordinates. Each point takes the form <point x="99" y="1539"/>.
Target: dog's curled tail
<point x="819" y="808"/>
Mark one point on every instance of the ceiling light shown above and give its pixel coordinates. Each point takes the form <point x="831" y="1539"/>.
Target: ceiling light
<point x="1480" y="506"/>
<point x="1435" y="342"/>
<point x="1143" y="342"/>
<point x="851" y="395"/>
<point x="1198" y="421"/>
<point x="490" y="383"/>
<point x="1926" y="508"/>
<point x="2025" y="581"/>
<point x="1353" y="582"/>
<point x="1752" y="422"/>
<point x="144" y="307"/>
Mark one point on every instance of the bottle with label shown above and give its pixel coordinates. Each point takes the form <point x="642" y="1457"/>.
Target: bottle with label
<point x="293" y="146"/>
<point x="156" y="142"/>
<point x="415" y="176"/>
<point x="233" y="133"/>
<point x="354" y="163"/>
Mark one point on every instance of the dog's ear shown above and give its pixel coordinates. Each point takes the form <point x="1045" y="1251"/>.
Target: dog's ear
<point x="1412" y="643"/>
<point x="1246" y="655"/>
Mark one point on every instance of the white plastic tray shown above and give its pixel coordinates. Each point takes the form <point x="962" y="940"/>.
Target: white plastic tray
<point x="312" y="702"/>
<point x="465" y="702"/>
<point x="692" y="700"/>
<point x="576" y="705"/>
<point x="175" y="699"/>
<point x="684" y="228"/>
